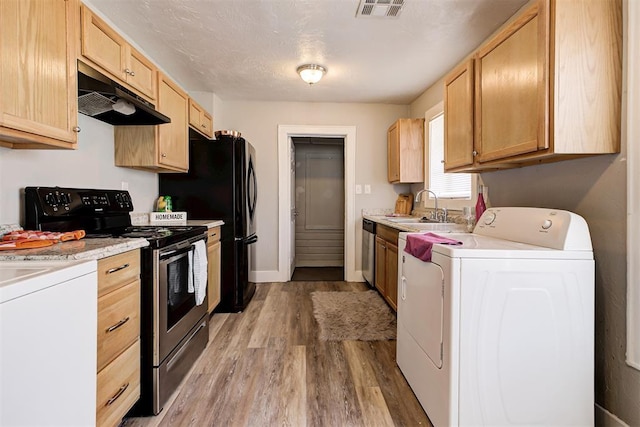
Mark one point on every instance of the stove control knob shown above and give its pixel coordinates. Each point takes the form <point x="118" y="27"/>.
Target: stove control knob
<point x="50" y="199"/>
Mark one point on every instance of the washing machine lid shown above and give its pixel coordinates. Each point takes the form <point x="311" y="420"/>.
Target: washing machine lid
<point x="517" y="232"/>
<point x="478" y="246"/>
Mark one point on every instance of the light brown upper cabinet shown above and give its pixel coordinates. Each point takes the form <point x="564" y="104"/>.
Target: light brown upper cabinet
<point x="458" y="116"/>
<point x="160" y="148"/>
<point x="38" y="89"/>
<point x="546" y="88"/>
<point x="200" y="120"/>
<point x="106" y="49"/>
<point x="405" y="151"/>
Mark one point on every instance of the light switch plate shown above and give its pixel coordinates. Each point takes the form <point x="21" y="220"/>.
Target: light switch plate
<point x="358" y="189"/>
<point x="367" y="189"/>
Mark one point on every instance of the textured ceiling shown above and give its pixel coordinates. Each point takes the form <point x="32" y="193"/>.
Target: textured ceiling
<point x="250" y="49"/>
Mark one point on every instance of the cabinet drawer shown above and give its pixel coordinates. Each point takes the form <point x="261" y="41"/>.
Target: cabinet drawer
<point x="387" y="233"/>
<point x="213" y="236"/>
<point x="118" y="270"/>
<point x="118" y="387"/>
<point x="118" y="321"/>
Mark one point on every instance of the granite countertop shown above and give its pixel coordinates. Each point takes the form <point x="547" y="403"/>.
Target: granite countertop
<point x="76" y="249"/>
<point x="210" y="223"/>
<point x="410" y="227"/>
<point x="86" y="248"/>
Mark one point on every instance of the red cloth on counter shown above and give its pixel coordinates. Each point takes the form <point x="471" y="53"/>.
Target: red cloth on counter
<point x="421" y="245"/>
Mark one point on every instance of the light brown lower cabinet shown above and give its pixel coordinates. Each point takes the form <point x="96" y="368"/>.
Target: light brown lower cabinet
<point x="213" y="265"/>
<point x="386" y="280"/>
<point x="118" y="364"/>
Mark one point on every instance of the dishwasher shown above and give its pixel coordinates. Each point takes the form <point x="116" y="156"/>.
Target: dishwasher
<point x="368" y="250"/>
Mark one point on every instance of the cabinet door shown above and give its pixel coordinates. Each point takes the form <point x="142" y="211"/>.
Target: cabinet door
<point x="173" y="137"/>
<point x="393" y="153"/>
<point x="213" y="265"/>
<point x="195" y="114"/>
<point x="511" y="89"/>
<point x="207" y="124"/>
<point x="141" y="73"/>
<point x="458" y="117"/>
<point x="392" y="275"/>
<point x="381" y="265"/>
<point x="102" y="45"/>
<point x="38" y="89"/>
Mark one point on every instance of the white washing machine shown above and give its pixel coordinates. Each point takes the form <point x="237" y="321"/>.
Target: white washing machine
<point x="500" y="330"/>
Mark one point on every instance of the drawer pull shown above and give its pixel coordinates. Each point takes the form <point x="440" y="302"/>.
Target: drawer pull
<point x="117" y="395"/>
<point x="113" y="270"/>
<point x="213" y="234"/>
<point x="117" y="325"/>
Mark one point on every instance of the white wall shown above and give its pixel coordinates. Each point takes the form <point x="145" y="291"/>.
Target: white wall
<point x="258" y="122"/>
<point x="90" y="166"/>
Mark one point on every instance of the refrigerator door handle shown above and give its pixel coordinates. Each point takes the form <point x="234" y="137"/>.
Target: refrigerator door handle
<point x="252" y="189"/>
<point x="247" y="240"/>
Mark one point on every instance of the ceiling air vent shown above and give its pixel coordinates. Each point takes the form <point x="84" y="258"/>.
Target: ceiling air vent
<point x="379" y="8"/>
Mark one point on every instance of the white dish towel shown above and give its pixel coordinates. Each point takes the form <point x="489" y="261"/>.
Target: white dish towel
<point x="198" y="262"/>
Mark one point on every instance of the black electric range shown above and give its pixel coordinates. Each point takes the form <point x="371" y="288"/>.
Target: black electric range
<point x="173" y="325"/>
<point x="100" y="213"/>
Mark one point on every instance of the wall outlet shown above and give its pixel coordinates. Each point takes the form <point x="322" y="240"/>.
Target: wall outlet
<point x="124" y="185"/>
<point x="358" y="189"/>
<point x="367" y="189"/>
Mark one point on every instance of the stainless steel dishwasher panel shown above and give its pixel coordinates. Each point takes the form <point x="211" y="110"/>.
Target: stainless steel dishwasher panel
<point x="368" y="250"/>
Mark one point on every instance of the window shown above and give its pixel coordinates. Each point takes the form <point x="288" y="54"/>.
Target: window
<point x="445" y="185"/>
<point x="458" y="188"/>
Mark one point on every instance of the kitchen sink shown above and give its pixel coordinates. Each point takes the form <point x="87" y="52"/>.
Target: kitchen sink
<point x="410" y="219"/>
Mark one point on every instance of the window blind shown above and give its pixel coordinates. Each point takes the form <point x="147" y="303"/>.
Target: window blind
<point x="445" y="185"/>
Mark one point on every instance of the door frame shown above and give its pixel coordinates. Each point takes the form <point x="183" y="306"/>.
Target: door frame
<point x="285" y="133"/>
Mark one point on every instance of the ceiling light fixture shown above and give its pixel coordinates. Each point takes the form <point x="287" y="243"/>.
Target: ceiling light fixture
<point x="311" y="73"/>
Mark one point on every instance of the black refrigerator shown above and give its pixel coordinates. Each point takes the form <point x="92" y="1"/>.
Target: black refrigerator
<point x="221" y="184"/>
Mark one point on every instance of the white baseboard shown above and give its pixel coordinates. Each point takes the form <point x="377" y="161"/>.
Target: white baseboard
<point x="265" y="276"/>
<point x="605" y="418"/>
<point x="357" y="277"/>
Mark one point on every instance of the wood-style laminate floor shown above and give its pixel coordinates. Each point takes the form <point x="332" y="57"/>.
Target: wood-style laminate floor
<point x="266" y="367"/>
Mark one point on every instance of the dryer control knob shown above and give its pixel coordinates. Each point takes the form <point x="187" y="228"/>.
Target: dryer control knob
<point x="489" y="218"/>
<point x="547" y="224"/>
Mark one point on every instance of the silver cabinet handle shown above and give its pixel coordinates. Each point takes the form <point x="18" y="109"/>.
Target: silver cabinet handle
<point x="213" y="234"/>
<point x="77" y="129"/>
<point x="117" y="395"/>
<point x="163" y="155"/>
<point x="127" y="71"/>
<point x="117" y="325"/>
<point x="113" y="270"/>
<point x="132" y="73"/>
<point x="474" y="152"/>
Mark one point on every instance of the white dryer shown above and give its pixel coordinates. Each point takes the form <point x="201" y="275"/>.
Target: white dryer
<point x="500" y="330"/>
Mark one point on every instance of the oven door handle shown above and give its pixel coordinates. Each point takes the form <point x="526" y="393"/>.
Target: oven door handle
<point x="176" y="253"/>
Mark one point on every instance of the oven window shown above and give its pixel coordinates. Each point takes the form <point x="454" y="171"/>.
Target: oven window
<point x="179" y="300"/>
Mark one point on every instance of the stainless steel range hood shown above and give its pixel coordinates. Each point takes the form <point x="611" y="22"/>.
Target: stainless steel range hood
<point x="106" y="100"/>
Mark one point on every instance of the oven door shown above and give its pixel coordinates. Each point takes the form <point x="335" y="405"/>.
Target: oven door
<point x="176" y="311"/>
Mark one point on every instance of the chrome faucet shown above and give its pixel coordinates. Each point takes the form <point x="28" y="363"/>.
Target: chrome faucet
<point x="434" y="214"/>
